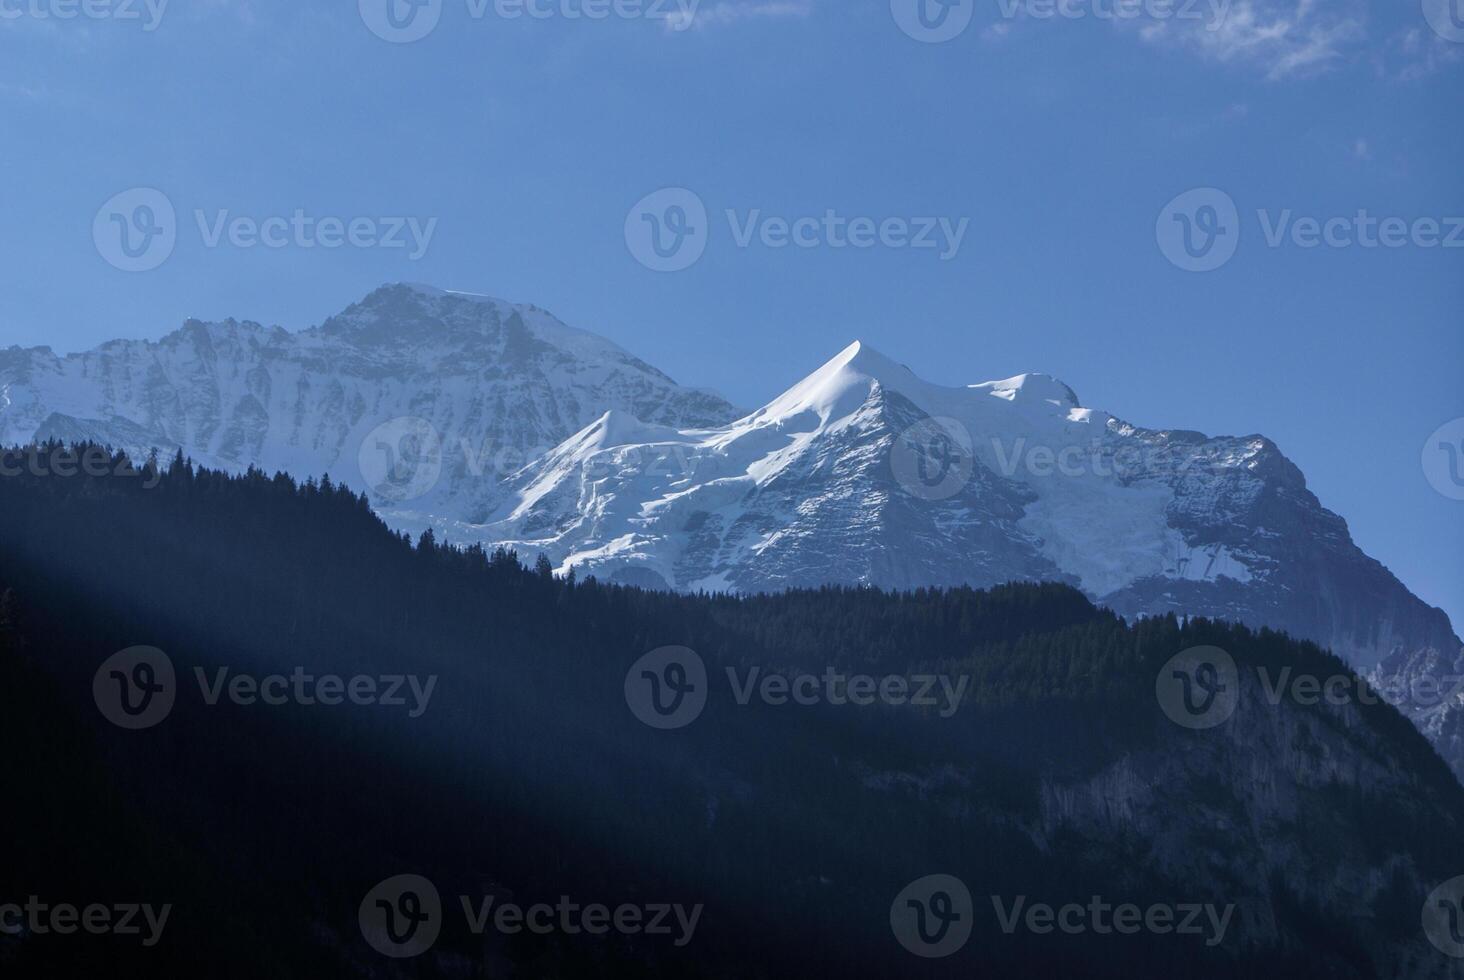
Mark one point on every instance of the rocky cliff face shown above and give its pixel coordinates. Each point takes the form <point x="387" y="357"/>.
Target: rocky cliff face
<point x="407" y="378"/>
<point x="494" y="422"/>
<point x="864" y="474"/>
<point x="1427" y="685"/>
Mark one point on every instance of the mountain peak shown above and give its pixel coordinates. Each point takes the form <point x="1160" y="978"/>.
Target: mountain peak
<point x="842" y="383"/>
<point x="1030" y="389"/>
<point x="429" y="291"/>
<point x="861" y="357"/>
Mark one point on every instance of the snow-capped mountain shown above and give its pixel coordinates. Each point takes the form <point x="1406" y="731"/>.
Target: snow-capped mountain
<point x="495" y="422"/>
<point x="865" y="474"/>
<point x="409" y="377"/>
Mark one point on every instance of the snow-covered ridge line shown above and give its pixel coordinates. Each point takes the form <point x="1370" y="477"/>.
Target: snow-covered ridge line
<point x="495" y="422"/>
<point x="864" y="473"/>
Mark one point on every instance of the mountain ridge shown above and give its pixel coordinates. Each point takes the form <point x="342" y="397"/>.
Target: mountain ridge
<point x="1145" y="520"/>
<point x="495" y="422"/>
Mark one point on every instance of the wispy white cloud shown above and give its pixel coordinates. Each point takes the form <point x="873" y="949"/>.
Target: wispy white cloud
<point x="1416" y="53"/>
<point x="24" y="92"/>
<point x="700" y="16"/>
<point x="1280" y="38"/>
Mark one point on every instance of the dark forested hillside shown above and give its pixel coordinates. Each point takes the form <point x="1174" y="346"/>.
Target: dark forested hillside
<point x="528" y="774"/>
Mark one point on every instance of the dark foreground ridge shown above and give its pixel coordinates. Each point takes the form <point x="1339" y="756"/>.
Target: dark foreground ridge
<point x="523" y="772"/>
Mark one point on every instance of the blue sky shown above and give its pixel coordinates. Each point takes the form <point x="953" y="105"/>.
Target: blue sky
<point x="1060" y="141"/>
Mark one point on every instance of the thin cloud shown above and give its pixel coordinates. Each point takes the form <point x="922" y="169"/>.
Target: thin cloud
<point x="1416" y="53"/>
<point x="700" y="16"/>
<point x="1280" y="38"/>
